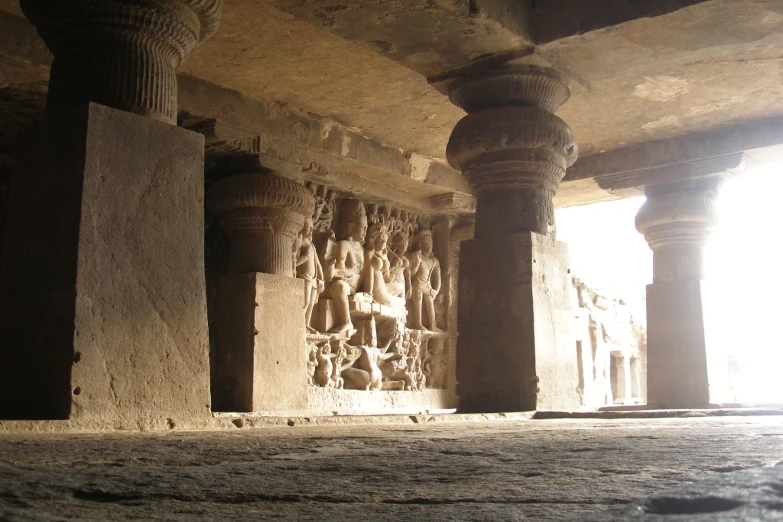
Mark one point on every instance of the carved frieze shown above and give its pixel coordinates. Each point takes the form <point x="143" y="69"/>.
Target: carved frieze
<point x="381" y="278"/>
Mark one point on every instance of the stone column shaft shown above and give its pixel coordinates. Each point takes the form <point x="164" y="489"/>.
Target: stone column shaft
<point x="121" y="53"/>
<point x="676" y="221"/>
<point x="515" y="351"/>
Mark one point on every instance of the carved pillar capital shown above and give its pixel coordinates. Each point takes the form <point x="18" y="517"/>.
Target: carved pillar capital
<point x="511" y="147"/>
<point x="677" y="221"/>
<point x="262" y="214"/>
<point x="121" y="53"/>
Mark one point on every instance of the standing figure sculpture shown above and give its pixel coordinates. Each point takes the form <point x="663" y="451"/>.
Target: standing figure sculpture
<point x="425" y="283"/>
<point x="377" y="268"/>
<point x="343" y="257"/>
<point x="400" y="274"/>
<point x="308" y="267"/>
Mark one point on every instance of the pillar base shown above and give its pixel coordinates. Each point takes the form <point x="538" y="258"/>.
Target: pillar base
<point x="515" y="350"/>
<point x="681" y="373"/>
<point x="105" y="299"/>
<point x="261" y="356"/>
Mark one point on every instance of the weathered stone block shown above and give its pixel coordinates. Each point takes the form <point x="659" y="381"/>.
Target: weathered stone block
<point x="515" y="349"/>
<point x="261" y="354"/>
<point x="106" y="301"/>
<point x="684" y="369"/>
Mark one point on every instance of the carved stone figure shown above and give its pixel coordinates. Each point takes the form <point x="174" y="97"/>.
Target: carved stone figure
<point x="340" y="356"/>
<point x="425" y="283"/>
<point x="384" y="216"/>
<point x="323" y="373"/>
<point x="377" y="268"/>
<point x="368" y="374"/>
<point x="372" y="213"/>
<point x="312" y="362"/>
<point x="308" y="267"/>
<point x="399" y="284"/>
<point x="324" y="209"/>
<point x="344" y="260"/>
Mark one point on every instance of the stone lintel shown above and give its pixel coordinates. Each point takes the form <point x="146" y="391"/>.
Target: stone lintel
<point x="700" y="168"/>
<point x="746" y="136"/>
<point x="230" y="148"/>
<point x="554" y="20"/>
<point x="326" y="142"/>
<point x="454" y="202"/>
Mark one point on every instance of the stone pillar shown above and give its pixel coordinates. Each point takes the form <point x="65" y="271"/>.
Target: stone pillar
<point x="120" y="53"/>
<point x="104" y="303"/>
<point x="676" y="221"/>
<point x="104" y="318"/>
<point x="261" y="355"/>
<point x="622" y="372"/>
<point x="515" y="350"/>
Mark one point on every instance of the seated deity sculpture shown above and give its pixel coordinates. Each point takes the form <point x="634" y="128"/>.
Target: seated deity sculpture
<point x="308" y="267"/>
<point x="425" y="283"/>
<point x="343" y="257"/>
<point x="377" y="268"/>
<point x="399" y="284"/>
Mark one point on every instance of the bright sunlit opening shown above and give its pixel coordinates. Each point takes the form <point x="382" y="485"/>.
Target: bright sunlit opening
<point x="741" y="264"/>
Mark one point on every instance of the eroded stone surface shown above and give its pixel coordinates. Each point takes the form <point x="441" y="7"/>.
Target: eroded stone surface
<point x="508" y="471"/>
<point x="754" y="494"/>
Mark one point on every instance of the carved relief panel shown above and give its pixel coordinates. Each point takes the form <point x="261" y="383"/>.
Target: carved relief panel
<point x="371" y="302"/>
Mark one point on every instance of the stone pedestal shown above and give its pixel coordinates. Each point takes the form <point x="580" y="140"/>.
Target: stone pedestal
<point x="684" y="370"/>
<point x="261" y="353"/>
<point x="105" y="303"/>
<point x="515" y="351"/>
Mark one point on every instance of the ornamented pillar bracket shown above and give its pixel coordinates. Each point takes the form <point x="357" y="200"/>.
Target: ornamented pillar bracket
<point x="680" y="213"/>
<point x="121" y="53"/>
<point x="262" y="213"/>
<point x="511" y="147"/>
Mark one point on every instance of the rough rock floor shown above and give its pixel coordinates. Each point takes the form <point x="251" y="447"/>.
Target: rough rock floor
<point x="537" y="469"/>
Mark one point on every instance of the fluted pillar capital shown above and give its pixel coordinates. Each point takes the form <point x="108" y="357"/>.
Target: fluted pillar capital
<point x="261" y="213"/>
<point x="121" y="53"/>
<point x="511" y="146"/>
<point x="677" y="221"/>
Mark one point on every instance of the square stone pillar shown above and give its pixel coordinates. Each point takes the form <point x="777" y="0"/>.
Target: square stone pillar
<point x="261" y="353"/>
<point x="684" y="368"/>
<point x="104" y="317"/>
<point x="516" y="350"/>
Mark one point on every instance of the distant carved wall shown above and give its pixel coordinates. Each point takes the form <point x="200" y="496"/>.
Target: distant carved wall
<point x="611" y="349"/>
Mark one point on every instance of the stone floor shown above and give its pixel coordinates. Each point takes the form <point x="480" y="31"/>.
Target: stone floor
<point x="538" y="469"/>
